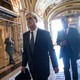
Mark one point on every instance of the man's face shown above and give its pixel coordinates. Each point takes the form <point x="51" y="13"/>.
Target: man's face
<point x="31" y="22"/>
<point x="65" y="24"/>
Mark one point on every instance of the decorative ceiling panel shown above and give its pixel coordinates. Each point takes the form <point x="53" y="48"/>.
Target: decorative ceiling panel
<point x="66" y="9"/>
<point x="42" y="5"/>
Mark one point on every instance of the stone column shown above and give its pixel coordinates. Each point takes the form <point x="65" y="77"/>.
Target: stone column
<point x="23" y="21"/>
<point x="46" y="25"/>
<point x="22" y="16"/>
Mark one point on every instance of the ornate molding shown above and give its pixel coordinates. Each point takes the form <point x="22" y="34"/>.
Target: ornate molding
<point x="7" y="11"/>
<point x="42" y="5"/>
<point x="68" y="8"/>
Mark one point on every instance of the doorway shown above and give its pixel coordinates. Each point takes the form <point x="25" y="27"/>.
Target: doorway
<point x="56" y="26"/>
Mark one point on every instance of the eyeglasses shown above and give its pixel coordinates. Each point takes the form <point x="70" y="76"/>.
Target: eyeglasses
<point x="30" y="18"/>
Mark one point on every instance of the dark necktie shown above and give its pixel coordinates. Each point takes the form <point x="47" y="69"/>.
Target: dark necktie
<point x="32" y="41"/>
<point x="65" y="32"/>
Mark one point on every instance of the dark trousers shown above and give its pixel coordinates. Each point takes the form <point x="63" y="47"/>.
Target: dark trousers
<point x="39" y="77"/>
<point x="66" y="61"/>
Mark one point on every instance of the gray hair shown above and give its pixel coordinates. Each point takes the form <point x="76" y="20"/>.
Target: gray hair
<point x="33" y="15"/>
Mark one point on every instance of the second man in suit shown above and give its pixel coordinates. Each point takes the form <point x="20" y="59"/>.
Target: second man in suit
<point x="69" y="40"/>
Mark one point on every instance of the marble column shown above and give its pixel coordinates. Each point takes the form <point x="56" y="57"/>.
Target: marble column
<point x="46" y="25"/>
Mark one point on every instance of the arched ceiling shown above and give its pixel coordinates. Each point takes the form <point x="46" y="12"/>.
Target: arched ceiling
<point x="47" y="8"/>
<point x="52" y="8"/>
<point x="64" y="9"/>
<point x="42" y="5"/>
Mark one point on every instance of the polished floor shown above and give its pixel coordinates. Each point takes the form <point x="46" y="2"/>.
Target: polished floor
<point x="9" y="72"/>
<point x="9" y="68"/>
<point x="53" y="76"/>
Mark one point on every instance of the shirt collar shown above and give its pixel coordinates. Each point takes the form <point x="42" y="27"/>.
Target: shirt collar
<point x="34" y="30"/>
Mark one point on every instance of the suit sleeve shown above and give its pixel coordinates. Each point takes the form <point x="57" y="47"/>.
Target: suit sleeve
<point x="24" y="54"/>
<point x="77" y="41"/>
<point x="77" y="36"/>
<point x="52" y="52"/>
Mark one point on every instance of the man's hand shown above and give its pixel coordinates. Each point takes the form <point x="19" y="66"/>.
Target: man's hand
<point x="56" y="70"/>
<point x="23" y="69"/>
<point x="63" y="43"/>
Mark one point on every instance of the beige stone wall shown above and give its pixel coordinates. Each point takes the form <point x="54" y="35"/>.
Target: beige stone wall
<point x="3" y="54"/>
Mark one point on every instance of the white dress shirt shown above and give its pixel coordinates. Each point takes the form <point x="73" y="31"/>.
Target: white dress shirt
<point x="67" y="30"/>
<point x="34" y="33"/>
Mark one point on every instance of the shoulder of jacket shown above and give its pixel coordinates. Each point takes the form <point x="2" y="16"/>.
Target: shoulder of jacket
<point x="26" y="32"/>
<point x="44" y="31"/>
<point x="73" y="29"/>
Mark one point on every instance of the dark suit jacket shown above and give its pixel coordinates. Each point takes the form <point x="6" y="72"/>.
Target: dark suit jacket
<point x="39" y="60"/>
<point x="72" y="48"/>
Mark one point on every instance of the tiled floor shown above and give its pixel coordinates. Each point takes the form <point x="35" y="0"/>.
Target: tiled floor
<point x="9" y="68"/>
<point x="53" y="76"/>
<point x="12" y="75"/>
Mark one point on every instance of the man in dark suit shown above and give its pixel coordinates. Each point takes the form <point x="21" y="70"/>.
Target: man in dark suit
<point x="36" y="53"/>
<point x="69" y="40"/>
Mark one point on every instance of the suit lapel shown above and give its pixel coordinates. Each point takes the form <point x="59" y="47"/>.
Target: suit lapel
<point x="28" y="41"/>
<point x="37" y="36"/>
<point x="30" y="54"/>
<point x="37" y="39"/>
<point x="28" y="37"/>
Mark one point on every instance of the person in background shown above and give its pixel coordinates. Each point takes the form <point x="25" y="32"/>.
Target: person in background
<point x="37" y="46"/>
<point x="10" y="49"/>
<point x="69" y="40"/>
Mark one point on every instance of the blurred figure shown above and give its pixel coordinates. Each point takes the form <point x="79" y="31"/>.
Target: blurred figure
<point x="10" y="49"/>
<point x="69" y="40"/>
<point x="36" y="45"/>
